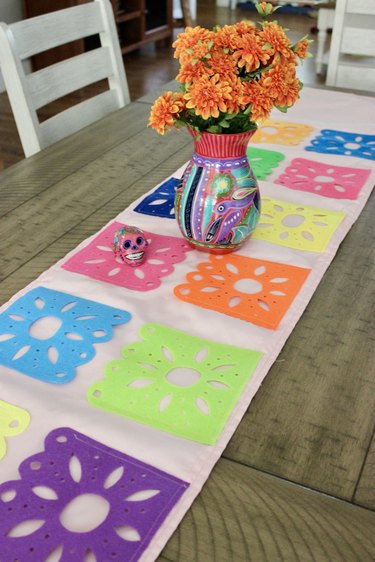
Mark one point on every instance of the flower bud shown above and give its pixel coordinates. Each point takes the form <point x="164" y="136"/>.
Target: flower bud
<point x="264" y="9"/>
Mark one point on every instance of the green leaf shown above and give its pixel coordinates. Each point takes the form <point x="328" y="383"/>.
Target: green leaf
<point x="224" y="124"/>
<point x="214" y="129"/>
<point x="283" y="109"/>
<point x="266" y="46"/>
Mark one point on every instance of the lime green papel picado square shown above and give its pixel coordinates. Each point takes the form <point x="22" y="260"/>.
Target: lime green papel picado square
<point x="176" y="382"/>
<point x="263" y="161"/>
<point x="295" y="226"/>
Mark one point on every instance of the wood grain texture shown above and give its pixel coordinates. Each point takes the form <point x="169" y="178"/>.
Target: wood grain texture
<point x="365" y="492"/>
<point x="32" y="176"/>
<point x="78" y="206"/>
<point x="152" y="96"/>
<point x="243" y="515"/>
<point x="312" y="420"/>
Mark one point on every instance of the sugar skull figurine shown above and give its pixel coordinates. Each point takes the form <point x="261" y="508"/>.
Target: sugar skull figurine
<point x="129" y="244"/>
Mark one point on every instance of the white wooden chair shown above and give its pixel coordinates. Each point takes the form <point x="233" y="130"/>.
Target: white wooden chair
<point x="29" y="92"/>
<point x="351" y="62"/>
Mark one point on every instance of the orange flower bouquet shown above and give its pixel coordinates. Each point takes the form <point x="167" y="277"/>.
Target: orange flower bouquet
<point x="231" y="77"/>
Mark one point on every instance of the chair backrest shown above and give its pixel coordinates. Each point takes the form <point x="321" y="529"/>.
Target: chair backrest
<point x="29" y="92"/>
<point x="351" y="61"/>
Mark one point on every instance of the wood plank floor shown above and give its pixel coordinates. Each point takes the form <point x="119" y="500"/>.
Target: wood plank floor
<point x="148" y="69"/>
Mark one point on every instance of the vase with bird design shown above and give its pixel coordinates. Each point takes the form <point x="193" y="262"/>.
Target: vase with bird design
<point x="217" y="202"/>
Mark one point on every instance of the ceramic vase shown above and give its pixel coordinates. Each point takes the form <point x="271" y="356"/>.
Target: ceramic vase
<point x="217" y="203"/>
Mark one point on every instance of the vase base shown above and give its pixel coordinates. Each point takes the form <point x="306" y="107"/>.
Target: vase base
<point x="213" y="249"/>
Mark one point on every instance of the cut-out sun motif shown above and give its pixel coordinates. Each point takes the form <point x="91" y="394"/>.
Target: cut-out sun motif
<point x="176" y="382"/>
<point x="47" y="334"/>
<point x="338" y="182"/>
<point x="296" y="226"/>
<point x="97" y="260"/>
<point x="281" y="132"/>
<point x="330" y="141"/>
<point x="257" y="291"/>
<point x="124" y="502"/>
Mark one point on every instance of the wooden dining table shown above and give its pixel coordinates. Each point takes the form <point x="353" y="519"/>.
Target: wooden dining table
<point x="296" y="482"/>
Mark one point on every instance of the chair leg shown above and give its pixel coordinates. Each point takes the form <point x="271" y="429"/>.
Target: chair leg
<point x="186" y="14"/>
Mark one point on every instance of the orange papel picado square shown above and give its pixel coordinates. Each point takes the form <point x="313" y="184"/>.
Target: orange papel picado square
<point x="257" y="291"/>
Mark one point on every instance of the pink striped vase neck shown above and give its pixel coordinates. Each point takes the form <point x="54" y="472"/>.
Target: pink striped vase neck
<point x="221" y="146"/>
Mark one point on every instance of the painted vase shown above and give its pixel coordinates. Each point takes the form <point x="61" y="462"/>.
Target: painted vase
<point x="217" y="203"/>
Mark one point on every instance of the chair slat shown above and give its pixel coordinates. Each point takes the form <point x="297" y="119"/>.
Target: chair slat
<point x="58" y="28"/>
<point x="353" y="42"/>
<point x="356" y="41"/>
<point x="361" y="7"/>
<point x="351" y="77"/>
<point x="51" y="83"/>
<point x="29" y="92"/>
<point x="75" y="118"/>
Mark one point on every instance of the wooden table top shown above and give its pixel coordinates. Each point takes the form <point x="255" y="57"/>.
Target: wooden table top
<point x="297" y="481"/>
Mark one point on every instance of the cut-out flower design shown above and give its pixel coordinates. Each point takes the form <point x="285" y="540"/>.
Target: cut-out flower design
<point x="47" y="334"/>
<point x="257" y="291"/>
<point x="296" y="226"/>
<point x="176" y="382"/>
<point x="263" y="161"/>
<point x="338" y="182"/>
<point x="98" y="261"/>
<point x="82" y="501"/>
<point x="13" y="421"/>
<point x="330" y="141"/>
<point x="282" y="132"/>
<point x="160" y="203"/>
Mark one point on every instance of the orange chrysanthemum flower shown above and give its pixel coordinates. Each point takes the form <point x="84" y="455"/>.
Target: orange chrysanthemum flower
<point x="229" y="35"/>
<point x="193" y="44"/>
<point x="190" y="72"/>
<point x="209" y="96"/>
<point x="256" y="94"/>
<point x="235" y="104"/>
<point x="282" y="84"/>
<point x="274" y="35"/>
<point x="251" y="53"/>
<point x="223" y="64"/>
<point x="243" y="27"/>
<point x="165" y="111"/>
<point x="231" y="75"/>
<point x="301" y="48"/>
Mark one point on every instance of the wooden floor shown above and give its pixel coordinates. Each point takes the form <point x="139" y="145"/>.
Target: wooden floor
<point x="149" y="68"/>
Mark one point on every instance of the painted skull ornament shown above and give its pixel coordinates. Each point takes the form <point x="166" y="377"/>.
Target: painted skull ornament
<point x="129" y="244"/>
